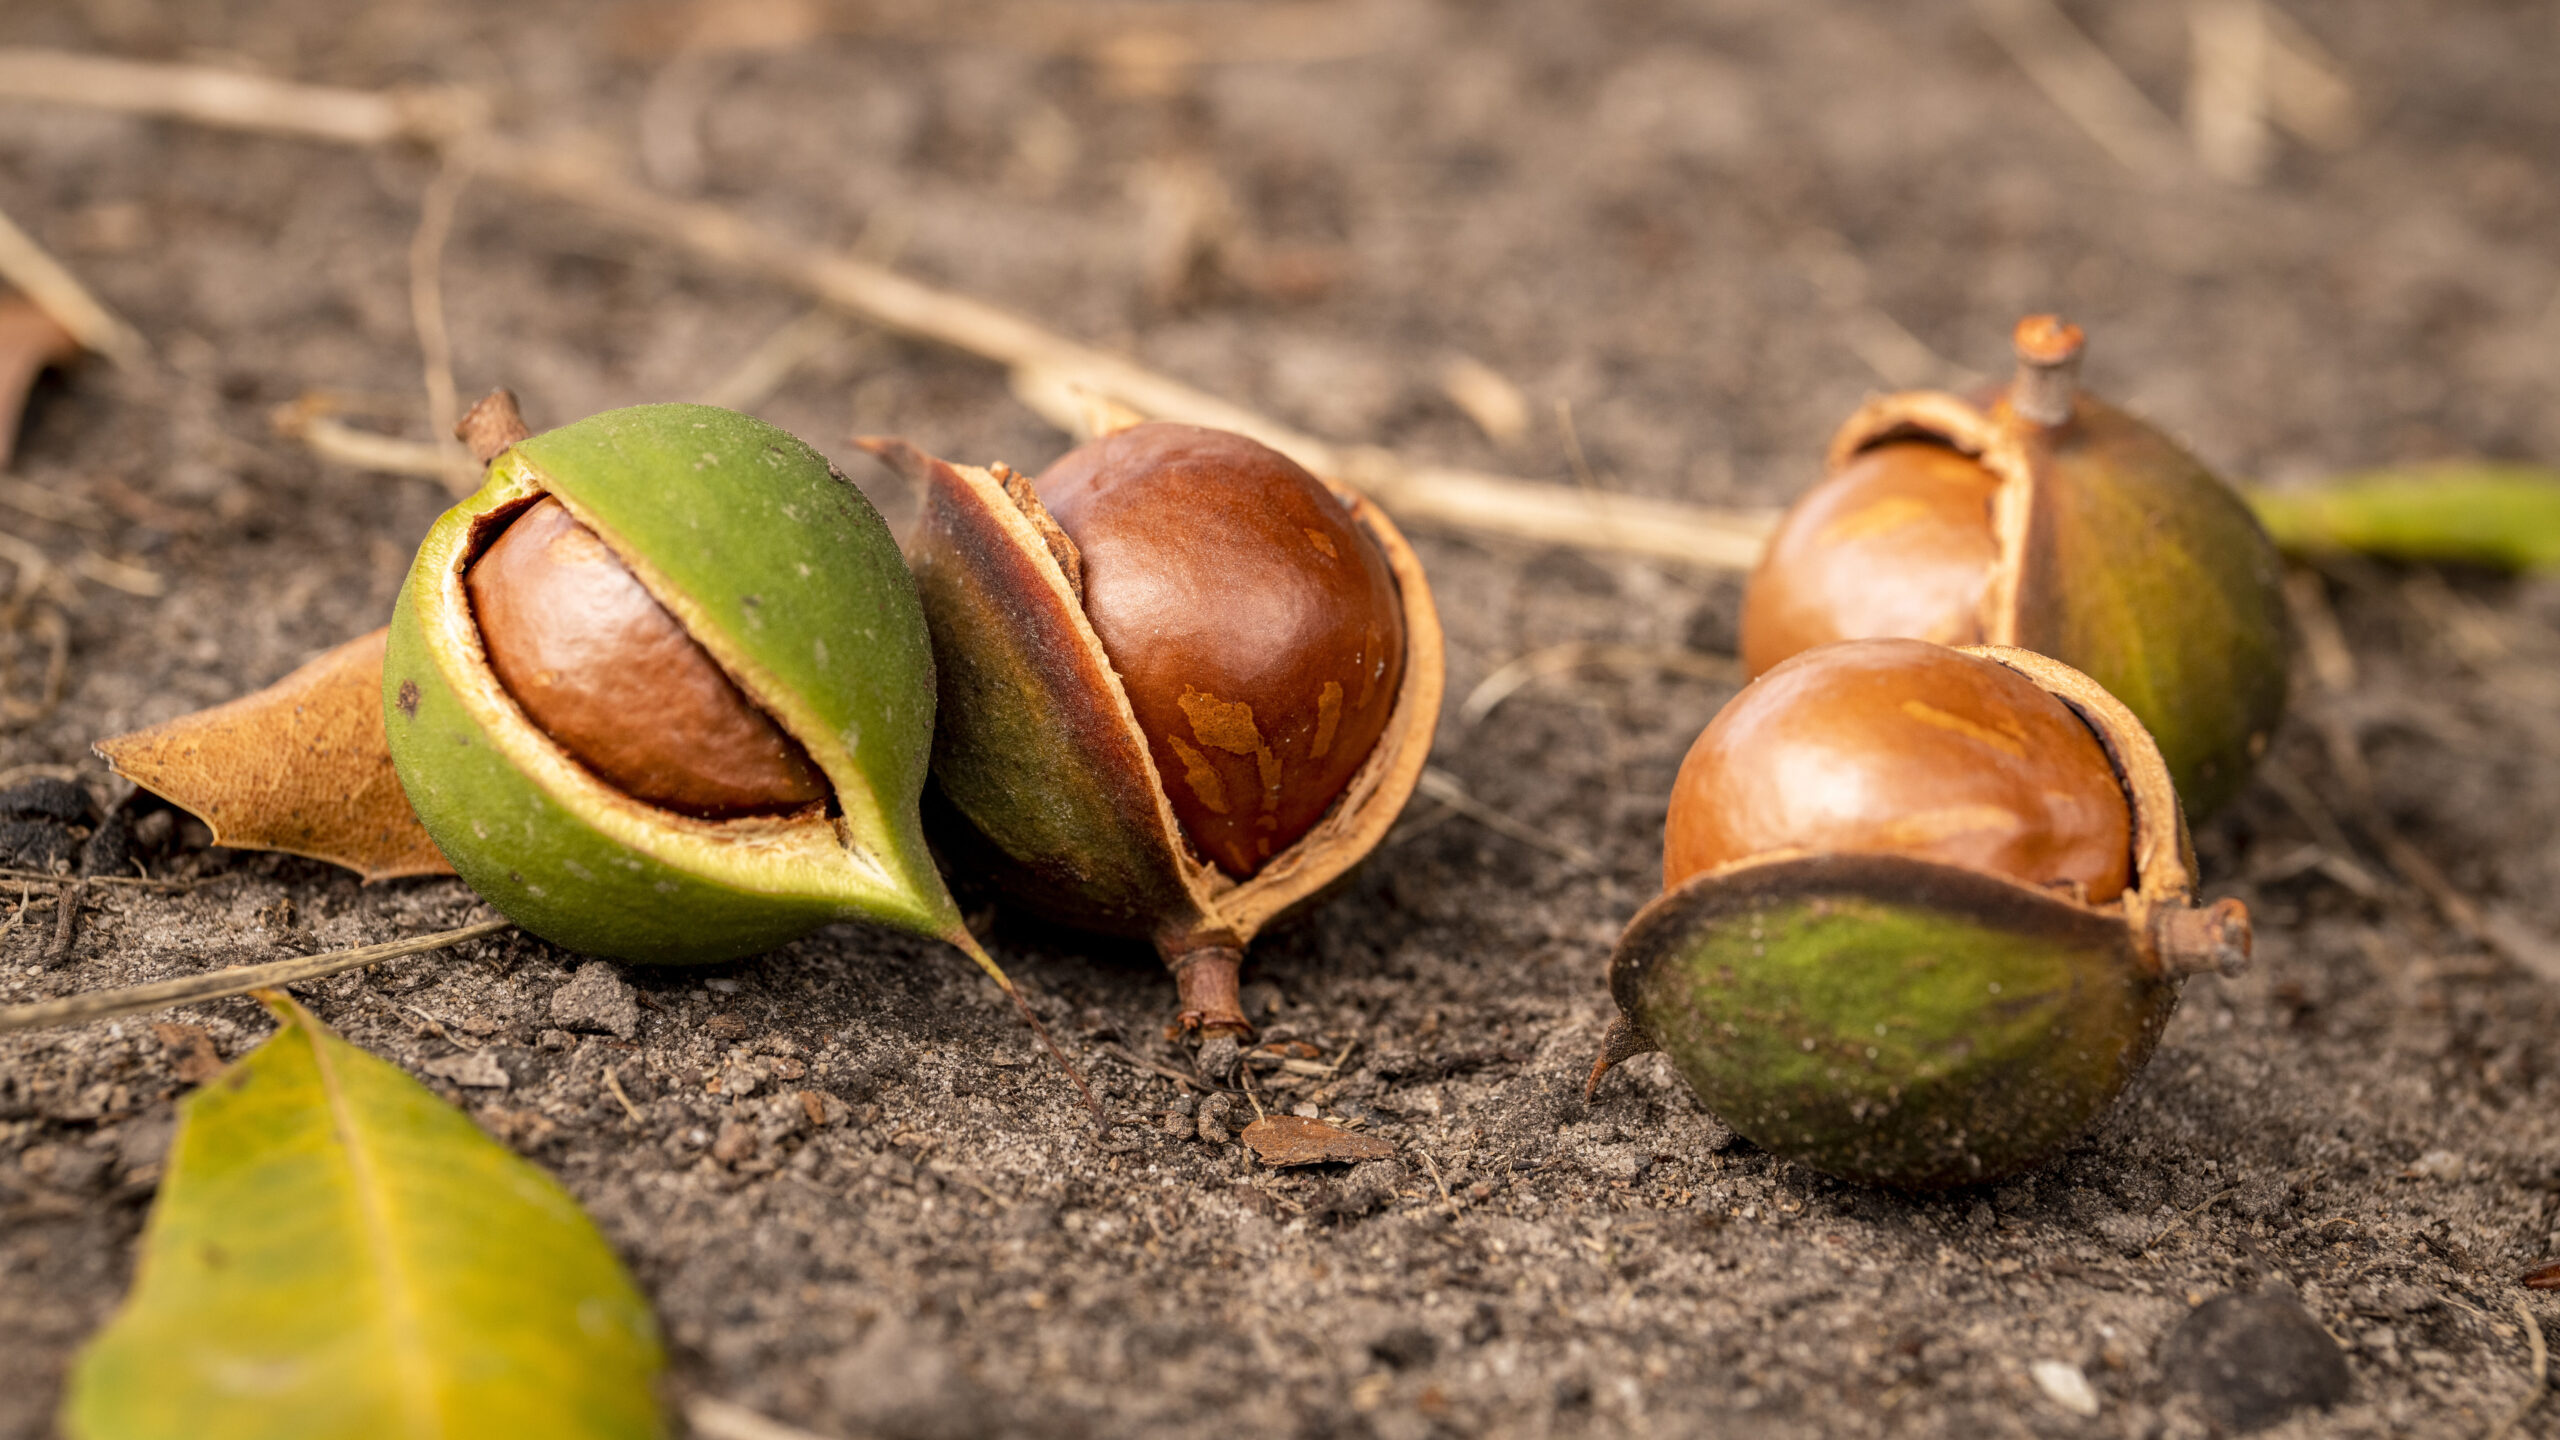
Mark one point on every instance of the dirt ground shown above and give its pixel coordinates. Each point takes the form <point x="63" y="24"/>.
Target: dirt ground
<point x="1700" y="233"/>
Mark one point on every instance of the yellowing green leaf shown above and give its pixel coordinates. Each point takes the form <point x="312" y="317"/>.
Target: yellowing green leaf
<point x="2469" y="512"/>
<point x="338" y="1253"/>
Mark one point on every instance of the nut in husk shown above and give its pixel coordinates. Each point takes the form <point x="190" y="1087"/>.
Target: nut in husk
<point x="1942" y="910"/>
<point x="1185" y="685"/>
<point x="2043" y="518"/>
<point x="660" y="690"/>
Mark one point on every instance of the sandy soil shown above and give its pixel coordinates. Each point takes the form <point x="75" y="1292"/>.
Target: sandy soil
<point x="1703" y="232"/>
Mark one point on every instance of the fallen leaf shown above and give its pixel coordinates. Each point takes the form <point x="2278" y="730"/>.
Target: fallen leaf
<point x="1283" y="1140"/>
<point x="2479" y="512"/>
<point x="302" y="766"/>
<point x="191" y="1048"/>
<point x="335" y="1252"/>
<point x="30" y="343"/>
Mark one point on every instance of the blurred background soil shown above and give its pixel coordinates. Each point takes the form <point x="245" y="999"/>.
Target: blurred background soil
<point x="1687" y="240"/>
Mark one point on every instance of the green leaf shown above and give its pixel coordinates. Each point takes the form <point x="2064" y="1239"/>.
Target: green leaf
<point x="336" y="1252"/>
<point x="2471" y="512"/>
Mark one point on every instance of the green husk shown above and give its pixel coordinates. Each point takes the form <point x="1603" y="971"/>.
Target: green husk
<point x="782" y="570"/>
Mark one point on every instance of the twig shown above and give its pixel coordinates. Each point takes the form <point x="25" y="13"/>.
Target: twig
<point x="335" y="440"/>
<point x="1244" y="1073"/>
<point x="1434" y="1167"/>
<point x="2541" y="1373"/>
<point x="40" y="877"/>
<point x="1516" y="673"/>
<point x="1045" y="362"/>
<point x="770" y="364"/>
<point x="714" y="1419"/>
<point x="18" y="916"/>
<point x="1446" y="788"/>
<point x="66" y="921"/>
<point x="613" y="1082"/>
<point x="426" y="308"/>
<point x="2227" y="98"/>
<point x="2181" y="1222"/>
<point x="59" y="293"/>
<point x="238" y="980"/>
<point x="2084" y="84"/>
<point x="1196" y="1082"/>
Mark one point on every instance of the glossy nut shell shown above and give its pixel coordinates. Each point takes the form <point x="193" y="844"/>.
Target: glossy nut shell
<point x="1256" y="629"/>
<point x="1903" y="747"/>
<point x="600" y="666"/>
<point x="1899" y="542"/>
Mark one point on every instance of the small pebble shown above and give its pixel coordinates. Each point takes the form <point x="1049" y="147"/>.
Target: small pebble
<point x="2253" y="1359"/>
<point x="2064" y="1385"/>
<point x="1215" y="1108"/>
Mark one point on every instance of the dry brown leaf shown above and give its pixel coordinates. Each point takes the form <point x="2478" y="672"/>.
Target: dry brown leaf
<point x="1283" y="1140"/>
<point x="302" y="766"/>
<point x="30" y="343"/>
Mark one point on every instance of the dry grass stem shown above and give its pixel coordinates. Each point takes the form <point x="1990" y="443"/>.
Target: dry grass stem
<point x="2085" y="85"/>
<point x="139" y="882"/>
<point x="768" y="367"/>
<point x="426" y="310"/>
<point x="1464" y="499"/>
<point x="2308" y="92"/>
<point x="59" y="293"/>
<point x="613" y="1082"/>
<point x="1517" y="673"/>
<point x="239" y="980"/>
<point x="2227" y="89"/>
<point x="334" y="440"/>
<point x="1449" y="790"/>
<point x="2540" y="1366"/>
<point x="714" y="1419"/>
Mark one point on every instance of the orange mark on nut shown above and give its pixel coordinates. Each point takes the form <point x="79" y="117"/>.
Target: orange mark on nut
<point x="2008" y="739"/>
<point x="1204" y="781"/>
<point x="1227" y="725"/>
<point x="1323" y="542"/>
<point x="1268" y="765"/>
<point x="1328" y="715"/>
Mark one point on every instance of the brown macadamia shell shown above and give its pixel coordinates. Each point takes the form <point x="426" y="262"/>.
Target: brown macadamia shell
<point x="1899" y="542"/>
<point x="1257" y="630"/>
<point x="603" y="669"/>
<point x="1903" y="747"/>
